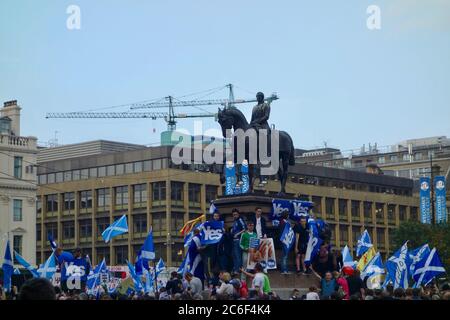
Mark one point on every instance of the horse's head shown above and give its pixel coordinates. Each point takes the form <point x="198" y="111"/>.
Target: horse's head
<point x="225" y="120"/>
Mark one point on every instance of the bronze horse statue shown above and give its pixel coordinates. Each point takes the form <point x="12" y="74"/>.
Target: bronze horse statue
<point x="232" y="118"/>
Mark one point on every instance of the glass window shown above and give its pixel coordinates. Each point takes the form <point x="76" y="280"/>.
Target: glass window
<point x="381" y="159"/>
<point x="329" y="203"/>
<point x="148" y="165"/>
<point x="402" y="213"/>
<point x="76" y="175"/>
<point x="69" y="202"/>
<point x="355" y="209"/>
<point x="51" y="229"/>
<point x="38" y="232"/>
<point x="159" y="222"/>
<point x="159" y="191"/>
<point x="391" y="212"/>
<point x="157" y="164"/>
<point x="103" y="253"/>
<point x="380" y="237"/>
<point x="343" y="208"/>
<point x="418" y="156"/>
<point x="17" y="214"/>
<point x="102" y="171"/>
<point x="110" y="170"/>
<point x="129" y="168"/>
<point x="379" y="212"/>
<point x="38" y="205"/>
<point x="121" y="195"/>
<point x="211" y="193"/>
<point x="121" y="255"/>
<point x="102" y="224"/>
<point x="51" y="178"/>
<point x="140" y="223"/>
<point x="18" y="167"/>
<point x="177" y="191"/>
<point x="317" y="204"/>
<point x="177" y="219"/>
<point x="84" y="173"/>
<point x="194" y="194"/>
<point x="59" y="177"/>
<point x="120" y="169"/>
<point x="85" y="228"/>
<point x="343" y="234"/>
<point x="52" y="202"/>
<point x="368" y="211"/>
<point x="138" y="166"/>
<point x="42" y="178"/>
<point x="92" y="172"/>
<point x="414" y="214"/>
<point x="17" y="245"/>
<point x="68" y="229"/>
<point x="68" y="176"/>
<point x="85" y="200"/>
<point x="103" y="199"/>
<point x="140" y="193"/>
<point x="393" y="158"/>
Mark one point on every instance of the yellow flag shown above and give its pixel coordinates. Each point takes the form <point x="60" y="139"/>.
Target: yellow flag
<point x="365" y="259"/>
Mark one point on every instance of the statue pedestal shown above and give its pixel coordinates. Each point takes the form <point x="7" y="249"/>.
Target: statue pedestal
<point x="246" y="204"/>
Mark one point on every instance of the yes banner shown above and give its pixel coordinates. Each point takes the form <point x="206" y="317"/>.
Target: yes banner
<point x="441" y="206"/>
<point x="296" y="208"/>
<point x="211" y="232"/>
<point x="425" y="213"/>
<point x="287" y="237"/>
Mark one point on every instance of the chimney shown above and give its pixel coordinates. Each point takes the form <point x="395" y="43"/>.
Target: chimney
<point x="12" y="110"/>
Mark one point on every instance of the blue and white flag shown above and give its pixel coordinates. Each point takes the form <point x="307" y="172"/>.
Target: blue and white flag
<point x="93" y="279"/>
<point x="52" y="242"/>
<point x="417" y="255"/>
<point x="425" y="200"/>
<point x="148" y="249"/>
<point x="182" y="265"/>
<point x="26" y="265"/>
<point x="149" y="282"/>
<point x="160" y="266"/>
<point x="212" y="208"/>
<point x="230" y="178"/>
<point x="190" y="235"/>
<point x="48" y="269"/>
<point x="314" y="244"/>
<point x="364" y="243"/>
<point x="118" y="227"/>
<point x="8" y="268"/>
<point x="287" y="237"/>
<point x="375" y="267"/>
<point x="278" y="206"/>
<point x="300" y="209"/>
<point x="211" y="232"/>
<point x="347" y="259"/>
<point x="397" y="267"/>
<point x="427" y="269"/>
<point x="138" y="286"/>
<point x="194" y="259"/>
<point x="441" y="204"/>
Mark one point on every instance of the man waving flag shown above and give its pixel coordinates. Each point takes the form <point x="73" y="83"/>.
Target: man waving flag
<point x="118" y="227"/>
<point x="427" y="269"/>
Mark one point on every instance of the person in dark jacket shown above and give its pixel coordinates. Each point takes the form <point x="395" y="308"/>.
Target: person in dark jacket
<point x="260" y="223"/>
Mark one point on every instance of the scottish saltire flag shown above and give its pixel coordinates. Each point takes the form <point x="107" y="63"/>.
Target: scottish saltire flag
<point x="48" y="269"/>
<point x="160" y="267"/>
<point x="254" y="243"/>
<point x="149" y="282"/>
<point x="212" y="208"/>
<point x="93" y="278"/>
<point x="287" y="237"/>
<point x="314" y="244"/>
<point x="364" y="243"/>
<point x="347" y="258"/>
<point x="427" y="269"/>
<point x="278" y="206"/>
<point x="148" y="249"/>
<point x="194" y="260"/>
<point x="190" y="235"/>
<point x="397" y="267"/>
<point x="417" y="255"/>
<point x="118" y="227"/>
<point x="365" y="259"/>
<point x="374" y="267"/>
<point x="8" y="268"/>
<point x="52" y="242"/>
<point x="211" y="232"/>
<point x="300" y="209"/>
<point x="182" y="266"/>
<point x="26" y="265"/>
<point x="136" y="279"/>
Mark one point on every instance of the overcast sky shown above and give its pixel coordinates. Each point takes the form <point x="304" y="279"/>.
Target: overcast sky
<point x="338" y="81"/>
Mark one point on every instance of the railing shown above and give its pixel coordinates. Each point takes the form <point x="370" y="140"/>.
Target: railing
<point x="17" y="141"/>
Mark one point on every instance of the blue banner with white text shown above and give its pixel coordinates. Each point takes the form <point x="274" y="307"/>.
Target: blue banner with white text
<point x="425" y="201"/>
<point x="441" y="204"/>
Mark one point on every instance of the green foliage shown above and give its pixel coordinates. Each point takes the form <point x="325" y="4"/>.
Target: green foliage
<point x="418" y="234"/>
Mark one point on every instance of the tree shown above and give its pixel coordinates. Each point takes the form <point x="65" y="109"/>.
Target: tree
<point x="418" y="234"/>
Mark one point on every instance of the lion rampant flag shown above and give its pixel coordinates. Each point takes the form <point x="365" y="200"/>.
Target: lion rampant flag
<point x="365" y="259"/>
<point x="190" y="224"/>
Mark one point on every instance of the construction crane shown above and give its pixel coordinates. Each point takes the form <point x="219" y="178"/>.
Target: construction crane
<point x="170" y="117"/>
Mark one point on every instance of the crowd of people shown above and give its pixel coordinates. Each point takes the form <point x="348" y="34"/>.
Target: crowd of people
<point x="225" y="275"/>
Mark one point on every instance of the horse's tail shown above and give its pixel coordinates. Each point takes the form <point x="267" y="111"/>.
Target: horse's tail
<point x="292" y="153"/>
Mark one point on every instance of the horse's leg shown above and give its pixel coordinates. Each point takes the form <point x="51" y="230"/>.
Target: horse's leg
<point x="283" y="173"/>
